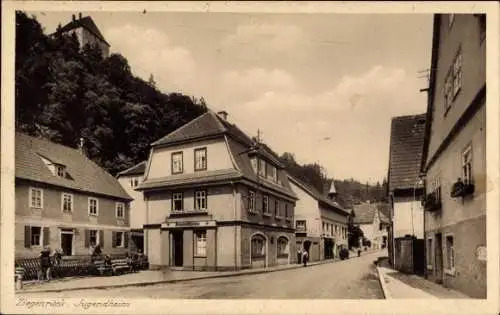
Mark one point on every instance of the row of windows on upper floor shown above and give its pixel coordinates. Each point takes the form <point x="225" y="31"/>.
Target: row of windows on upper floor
<point x="250" y="202"/>
<point x="67" y="203"/>
<point x="262" y="168"/>
<point x="327" y="228"/>
<point x="453" y="79"/>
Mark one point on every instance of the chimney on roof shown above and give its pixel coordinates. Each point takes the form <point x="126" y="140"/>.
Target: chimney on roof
<point x="222" y="114"/>
<point x="79" y="15"/>
<point x="73" y="17"/>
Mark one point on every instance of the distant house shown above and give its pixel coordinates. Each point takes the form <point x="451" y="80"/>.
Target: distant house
<point x="66" y="201"/>
<point x="320" y="222"/>
<point x="130" y="179"/>
<point x="216" y="200"/>
<point x="87" y="33"/>
<point x="373" y="224"/>
<point x="454" y="156"/>
<point x="405" y="184"/>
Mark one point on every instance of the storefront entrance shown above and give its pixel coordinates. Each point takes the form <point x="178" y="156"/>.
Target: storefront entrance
<point x="177" y="248"/>
<point x="67" y="242"/>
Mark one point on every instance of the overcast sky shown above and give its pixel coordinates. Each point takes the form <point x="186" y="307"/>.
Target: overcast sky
<point x="322" y="86"/>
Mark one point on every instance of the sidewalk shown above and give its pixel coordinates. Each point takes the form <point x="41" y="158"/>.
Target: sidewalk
<point x="152" y="277"/>
<point x="397" y="285"/>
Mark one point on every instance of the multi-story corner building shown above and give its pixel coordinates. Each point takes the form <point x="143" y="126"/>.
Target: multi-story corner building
<point x="65" y="201"/>
<point x="454" y="156"/>
<point x="216" y="200"/>
<point x="320" y="222"/>
<point x="405" y="183"/>
<point x="87" y="33"/>
<point x="130" y="179"/>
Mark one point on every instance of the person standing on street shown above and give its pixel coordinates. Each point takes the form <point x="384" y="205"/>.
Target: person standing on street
<point x="305" y="257"/>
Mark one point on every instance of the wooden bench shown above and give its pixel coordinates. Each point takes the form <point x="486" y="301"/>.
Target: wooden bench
<point x="120" y="266"/>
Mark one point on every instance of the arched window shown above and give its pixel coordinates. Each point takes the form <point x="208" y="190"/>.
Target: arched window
<point x="258" y="246"/>
<point x="283" y="249"/>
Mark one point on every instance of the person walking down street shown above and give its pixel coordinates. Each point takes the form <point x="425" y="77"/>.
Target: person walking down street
<point x="299" y="256"/>
<point x="45" y="264"/>
<point x="305" y="257"/>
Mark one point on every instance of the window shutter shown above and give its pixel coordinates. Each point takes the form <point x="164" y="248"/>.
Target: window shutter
<point x="87" y="238"/>
<point x="27" y="236"/>
<point x="125" y="239"/>
<point x="101" y="239"/>
<point x="113" y="239"/>
<point x="46" y="236"/>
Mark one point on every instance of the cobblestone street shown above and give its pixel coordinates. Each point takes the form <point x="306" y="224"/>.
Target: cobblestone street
<point x="355" y="278"/>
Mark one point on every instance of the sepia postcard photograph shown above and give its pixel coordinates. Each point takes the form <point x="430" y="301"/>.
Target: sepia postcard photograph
<point x="249" y="157"/>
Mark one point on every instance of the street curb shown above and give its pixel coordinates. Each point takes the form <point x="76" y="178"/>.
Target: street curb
<point x="143" y="284"/>
<point x="381" y="279"/>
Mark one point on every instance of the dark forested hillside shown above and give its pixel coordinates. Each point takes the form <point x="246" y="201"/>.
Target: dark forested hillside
<point x="65" y="94"/>
<point x="349" y="191"/>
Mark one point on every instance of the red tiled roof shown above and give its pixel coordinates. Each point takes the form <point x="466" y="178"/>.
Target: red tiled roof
<point x="82" y="174"/>
<point x="137" y="169"/>
<point x="87" y="23"/>
<point x="407" y="140"/>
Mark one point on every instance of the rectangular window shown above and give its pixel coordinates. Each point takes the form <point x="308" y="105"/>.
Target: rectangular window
<point x="251" y="201"/>
<point x="177" y="201"/>
<point x="93" y="206"/>
<point x="134" y="182"/>
<point x="201" y="244"/>
<point x="120" y="210"/>
<point x="271" y="172"/>
<point x="287" y="212"/>
<point x="177" y="165"/>
<point x="262" y="168"/>
<point x="450" y="254"/>
<point x="67" y="202"/>
<point x="119" y="239"/>
<point x="60" y="170"/>
<point x="36" y="236"/>
<point x="200" y="159"/>
<point x="93" y="238"/>
<point x="265" y="204"/>
<point x="200" y="200"/>
<point x="300" y="225"/>
<point x="36" y="198"/>
<point x="276" y="208"/>
<point x="467" y="165"/>
<point x="254" y="162"/>
<point x="429" y="253"/>
<point x="453" y="81"/>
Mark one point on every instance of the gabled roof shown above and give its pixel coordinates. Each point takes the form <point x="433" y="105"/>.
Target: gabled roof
<point x="364" y="213"/>
<point x="241" y="147"/>
<point x="87" y="23"/>
<point x="83" y="174"/>
<point x="321" y="198"/>
<point x="137" y="169"/>
<point x="407" y="143"/>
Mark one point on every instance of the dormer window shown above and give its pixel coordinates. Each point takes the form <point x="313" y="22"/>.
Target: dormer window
<point x="60" y="170"/>
<point x="262" y="168"/>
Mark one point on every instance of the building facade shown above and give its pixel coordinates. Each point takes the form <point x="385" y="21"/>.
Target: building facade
<point x="86" y="32"/>
<point x="216" y="200"/>
<point x="372" y="223"/>
<point x="320" y="222"/>
<point x="405" y="183"/>
<point x="454" y="157"/>
<point x="130" y="179"/>
<point x="65" y="201"/>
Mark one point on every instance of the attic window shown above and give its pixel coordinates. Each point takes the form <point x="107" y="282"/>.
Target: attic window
<point x="60" y="170"/>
